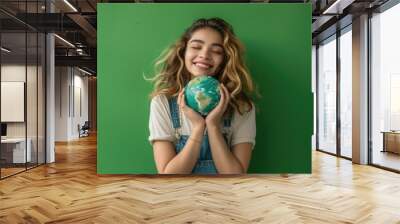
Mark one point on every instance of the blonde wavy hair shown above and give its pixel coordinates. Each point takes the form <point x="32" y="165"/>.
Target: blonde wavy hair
<point x="172" y="75"/>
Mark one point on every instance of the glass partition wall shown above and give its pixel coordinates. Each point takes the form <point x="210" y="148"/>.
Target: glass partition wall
<point x="385" y="89"/>
<point x="22" y="87"/>
<point x="346" y="92"/>
<point x="334" y="91"/>
<point x="13" y="88"/>
<point x="326" y="60"/>
<point x="334" y="94"/>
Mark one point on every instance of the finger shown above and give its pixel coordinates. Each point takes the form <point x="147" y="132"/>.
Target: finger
<point x="227" y="97"/>
<point x="183" y="102"/>
<point x="182" y="96"/>
<point x="222" y="93"/>
<point x="185" y="107"/>
<point x="182" y="106"/>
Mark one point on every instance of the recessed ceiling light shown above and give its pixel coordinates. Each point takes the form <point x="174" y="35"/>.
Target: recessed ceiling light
<point x="84" y="71"/>
<point x="64" y="40"/>
<point x="338" y="6"/>
<point x="70" y="5"/>
<point x="5" y="50"/>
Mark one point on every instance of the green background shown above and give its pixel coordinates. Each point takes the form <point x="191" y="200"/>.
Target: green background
<point x="278" y="42"/>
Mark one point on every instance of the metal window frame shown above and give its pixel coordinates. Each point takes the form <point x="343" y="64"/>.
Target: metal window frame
<point x="387" y="5"/>
<point x="381" y="9"/>
<point x="337" y="34"/>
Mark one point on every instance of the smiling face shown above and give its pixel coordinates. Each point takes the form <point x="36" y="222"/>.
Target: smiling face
<point x="204" y="52"/>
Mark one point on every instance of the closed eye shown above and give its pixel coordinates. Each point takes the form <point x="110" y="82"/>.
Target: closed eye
<point x="217" y="51"/>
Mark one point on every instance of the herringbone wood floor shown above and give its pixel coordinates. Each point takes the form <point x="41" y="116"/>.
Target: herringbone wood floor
<point x="69" y="191"/>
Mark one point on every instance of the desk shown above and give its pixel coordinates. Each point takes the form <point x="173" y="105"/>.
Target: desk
<point x="391" y="141"/>
<point x="15" y="148"/>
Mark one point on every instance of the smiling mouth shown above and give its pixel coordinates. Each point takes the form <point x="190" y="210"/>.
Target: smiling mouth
<point x="202" y="65"/>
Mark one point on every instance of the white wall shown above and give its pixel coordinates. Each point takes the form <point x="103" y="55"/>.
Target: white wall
<point x="62" y="81"/>
<point x="13" y="72"/>
<point x="16" y="72"/>
<point x="71" y="102"/>
<point x="33" y="127"/>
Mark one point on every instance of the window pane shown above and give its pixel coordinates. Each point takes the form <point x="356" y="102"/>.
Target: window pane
<point x="327" y="96"/>
<point x="31" y="101"/>
<point x="14" y="152"/>
<point x="346" y="93"/>
<point x="385" y="82"/>
<point x="41" y="98"/>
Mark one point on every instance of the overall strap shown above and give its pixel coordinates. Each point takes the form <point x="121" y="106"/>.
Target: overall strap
<point x="173" y="107"/>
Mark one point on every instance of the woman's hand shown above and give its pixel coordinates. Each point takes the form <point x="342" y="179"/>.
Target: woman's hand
<point x="195" y="118"/>
<point x="213" y="119"/>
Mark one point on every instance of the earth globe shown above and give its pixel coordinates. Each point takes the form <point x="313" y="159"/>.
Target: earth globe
<point x="202" y="94"/>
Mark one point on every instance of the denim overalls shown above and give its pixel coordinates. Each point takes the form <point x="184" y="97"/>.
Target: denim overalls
<point x="205" y="163"/>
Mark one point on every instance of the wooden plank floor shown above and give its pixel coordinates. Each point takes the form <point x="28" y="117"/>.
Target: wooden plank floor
<point x="69" y="191"/>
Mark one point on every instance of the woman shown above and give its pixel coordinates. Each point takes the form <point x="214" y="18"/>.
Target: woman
<point x="185" y="142"/>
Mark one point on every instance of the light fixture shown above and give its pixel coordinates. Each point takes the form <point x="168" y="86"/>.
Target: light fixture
<point x="80" y="51"/>
<point x="64" y="40"/>
<point x="337" y="7"/>
<point x="5" y="50"/>
<point x="84" y="71"/>
<point x="70" y="5"/>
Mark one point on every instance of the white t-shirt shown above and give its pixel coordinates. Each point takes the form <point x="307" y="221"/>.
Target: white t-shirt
<point x="242" y="129"/>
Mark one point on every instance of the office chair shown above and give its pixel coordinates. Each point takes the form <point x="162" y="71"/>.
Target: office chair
<point x="84" y="130"/>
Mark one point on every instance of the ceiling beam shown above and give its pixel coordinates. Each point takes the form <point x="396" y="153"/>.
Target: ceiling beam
<point x="86" y="61"/>
<point x="337" y="6"/>
<point x="86" y="26"/>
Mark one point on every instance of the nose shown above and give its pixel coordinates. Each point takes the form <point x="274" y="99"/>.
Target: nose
<point x="204" y="53"/>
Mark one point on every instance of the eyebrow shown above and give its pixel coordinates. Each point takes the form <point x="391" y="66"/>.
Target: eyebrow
<point x="202" y="42"/>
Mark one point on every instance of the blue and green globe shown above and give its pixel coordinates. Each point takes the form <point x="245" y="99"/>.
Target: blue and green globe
<point x="202" y="94"/>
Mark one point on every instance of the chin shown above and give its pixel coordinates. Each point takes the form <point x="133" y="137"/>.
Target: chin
<point x="198" y="73"/>
<point x="208" y="74"/>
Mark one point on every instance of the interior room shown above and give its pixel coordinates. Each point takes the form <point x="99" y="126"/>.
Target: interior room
<point x="57" y="110"/>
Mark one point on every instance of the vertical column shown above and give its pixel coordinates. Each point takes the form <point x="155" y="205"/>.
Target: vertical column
<point x="360" y="90"/>
<point x="338" y="98"/>
<point x="50" y="92"/>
